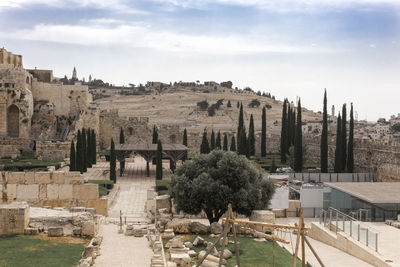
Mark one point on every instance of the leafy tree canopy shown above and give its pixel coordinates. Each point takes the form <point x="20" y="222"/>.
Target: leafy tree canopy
<point x="210" y="182"/>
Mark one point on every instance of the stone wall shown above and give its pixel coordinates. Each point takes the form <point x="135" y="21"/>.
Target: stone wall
<point x="68" y="100"/>
<point x="48" y="150"/>
<point x="14" y="218"/>
<point x="55" y="189"/>
<point x="12" y="146"/>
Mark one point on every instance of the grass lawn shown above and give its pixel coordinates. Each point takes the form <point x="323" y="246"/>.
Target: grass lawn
<point x="252" y="253"/>
<point x="103" y="186"/>
<point x="162" y="186"/>
<point x="41" y="251"/>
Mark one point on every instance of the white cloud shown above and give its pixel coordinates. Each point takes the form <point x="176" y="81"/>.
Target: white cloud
<point x="122" y="6"/>
<point x="100" y="34"/>
<point x="278" y="6"/>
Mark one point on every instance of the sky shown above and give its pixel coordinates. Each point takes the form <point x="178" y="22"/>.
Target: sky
<point x="291" y="48"/>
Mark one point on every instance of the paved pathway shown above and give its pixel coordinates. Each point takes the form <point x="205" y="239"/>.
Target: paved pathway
<point x="118" y="249"/>
<point x="329" y="255"/>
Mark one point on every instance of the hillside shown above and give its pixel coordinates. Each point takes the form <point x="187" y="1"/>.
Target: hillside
<point x="178" y="106"/>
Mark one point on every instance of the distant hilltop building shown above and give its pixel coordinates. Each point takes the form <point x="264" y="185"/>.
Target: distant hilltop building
<point x="74" y="75"/>
<point x="333" y="110"/>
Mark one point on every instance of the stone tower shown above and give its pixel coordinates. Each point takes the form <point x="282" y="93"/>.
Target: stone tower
<point x="74" y="76"/>
<point x="333" y="110"/>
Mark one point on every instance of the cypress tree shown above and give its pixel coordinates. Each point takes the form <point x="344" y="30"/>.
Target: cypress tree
<point x="155" y="140"/>
<point x="205" y="147"/>
<point x="289" y="128"/>
<point x="212" y="140"/>
<point x="94" y="153"/>
<point x="185" y="143"/>
<point x="298" y="144"/>
<point x="324" y="138"/>
<point x="121" y="141"/>
<point x="264" y="133"/>
<point x="121" y="136"/>
<point x="242" y="145"/>
<point x="237" y="104"/>
<point x="72" y="160"/>
<point x="344" y="138"/>
<point x="233" y="143"/>
<point x="218" y="141"/>
<point x="79" y="153"/>
<point x="283" y="133"/>
<point x="84" y="151"/>
<point x="159" y="170"/>
<point x="89" y="150"/>
<point x="240" y="123"/>
<point x="251" y="138"/>
<point x="338" y="153"/>
<point x="293" y="126"/>
<point x="113" y="162"/>
<point x="225" y="145"/>
<point x="350" y="147"/>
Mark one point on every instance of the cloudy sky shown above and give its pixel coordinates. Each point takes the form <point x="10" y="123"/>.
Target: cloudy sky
<point x="287" y="47"/>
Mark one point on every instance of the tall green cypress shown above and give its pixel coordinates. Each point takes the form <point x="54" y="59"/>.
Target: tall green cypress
<point x="84" y="151"/>
<point x="350" y="147"/>
<point x="251" y="138"/>
<point x="159" y="171"/>
<point x="225" y="145"/>
<point x="72" y="160"/>
<point x="218" y="141"/>
<point x="121" y="141"/>
<point x="113" y="162"/>
<point x="264" y="133"/>
<point x="212" y="140"/>
<point x="240" y="123"/>
<point x="185" y="143"/>
<point x="94" y="152"/>
<point x="233" y="144"/>
<point x="298" y="144"/>
<point x="242" y="145"/>
<point x="283" y="133"/>
<point x="121" y="136"/>
<point x="324" y="138"/>
<point x="155" y="141"/>
<point x="338" y="152"/>
<point x="79" y="153"/>
<point x="204" y="147"/>
<point x="344" y="137"/>
<point x="89" y="150"/>
<point x="293" y="126"/>
<point x="289" y="128"/>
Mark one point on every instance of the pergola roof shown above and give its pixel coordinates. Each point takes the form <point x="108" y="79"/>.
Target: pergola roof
<point x="149" y="147"/>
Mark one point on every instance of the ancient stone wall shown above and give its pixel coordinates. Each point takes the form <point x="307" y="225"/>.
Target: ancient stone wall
<point x="12" y="147"/>
<point x="56" y="189"/>
<point x="68" y="100"/>
<point x="49" y="150"/>
<point x="8" y="59"/>
<point x="14" y="218"/>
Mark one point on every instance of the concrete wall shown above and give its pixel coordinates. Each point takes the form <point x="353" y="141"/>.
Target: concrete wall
<point x="280" y="200"/>
<point x="56" y="189"/>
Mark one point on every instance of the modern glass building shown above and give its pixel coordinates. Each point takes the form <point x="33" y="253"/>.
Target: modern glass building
<point x="376" y="201"/>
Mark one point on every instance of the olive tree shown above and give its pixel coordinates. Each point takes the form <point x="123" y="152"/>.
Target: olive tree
<point x="211" y="181"/>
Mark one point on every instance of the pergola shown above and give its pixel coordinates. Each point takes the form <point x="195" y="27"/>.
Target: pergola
<point x="148" y="151"/>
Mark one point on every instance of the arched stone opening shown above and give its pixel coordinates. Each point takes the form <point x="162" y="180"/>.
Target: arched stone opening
<point x="13" y="121"/>
<point x="172" y="139"/>
<point x="130" y="131"/>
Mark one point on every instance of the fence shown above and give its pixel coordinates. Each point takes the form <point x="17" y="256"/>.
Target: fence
<point x="332" y="177"/>
<point x="336" y="220"/>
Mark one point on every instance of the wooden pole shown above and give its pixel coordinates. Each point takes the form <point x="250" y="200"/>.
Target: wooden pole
<point x="313" y="251"/>
<point x="226" y="228"/>
<point x="235" y="239"/>
<point x="297" y="242"/>
<point x="303" y="252"/>
<point x="208" y="251"/>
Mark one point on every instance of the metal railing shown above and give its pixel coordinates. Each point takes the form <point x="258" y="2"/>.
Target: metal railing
<point x="337" y="221"/>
